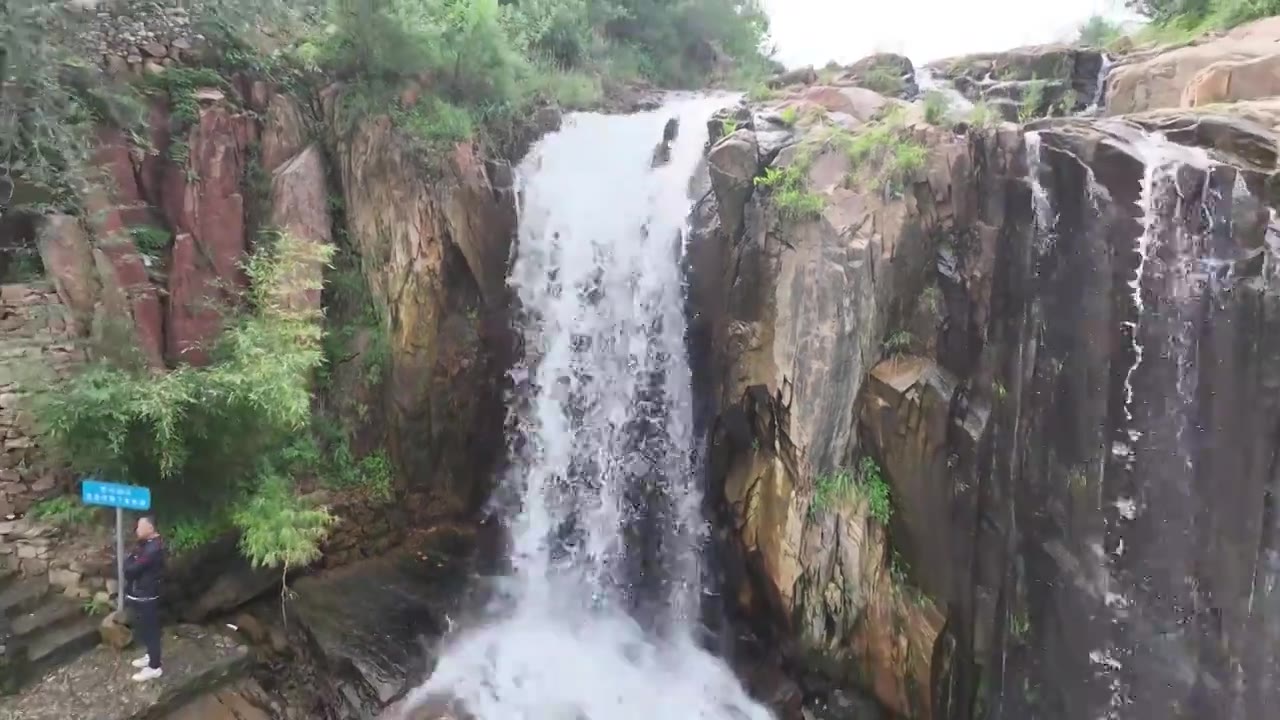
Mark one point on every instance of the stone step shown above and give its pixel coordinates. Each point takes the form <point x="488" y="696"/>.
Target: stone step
<point x="22" y="597"/>
<point x="61" y="645"/>
<point x="51" y="615"/>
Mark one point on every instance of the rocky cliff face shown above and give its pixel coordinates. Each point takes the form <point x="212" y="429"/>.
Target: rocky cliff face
<point x="434" y="243"/>
<point x="1054" y="344"/>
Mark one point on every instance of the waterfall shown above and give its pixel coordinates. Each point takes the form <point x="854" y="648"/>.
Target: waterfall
<point x="605" y="510"/>
<point x="1041" y="205"/>
<point x="1100" y="92"/>
<point x="958" y="106"/>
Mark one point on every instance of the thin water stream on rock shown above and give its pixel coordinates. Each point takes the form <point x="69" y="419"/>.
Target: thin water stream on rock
<point x="604" y="506"/>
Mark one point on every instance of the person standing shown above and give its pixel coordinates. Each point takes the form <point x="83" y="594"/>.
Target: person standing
<point x="143" y="570"/>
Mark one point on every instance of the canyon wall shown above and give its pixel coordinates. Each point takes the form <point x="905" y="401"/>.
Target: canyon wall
<point x="1054" y="344"/>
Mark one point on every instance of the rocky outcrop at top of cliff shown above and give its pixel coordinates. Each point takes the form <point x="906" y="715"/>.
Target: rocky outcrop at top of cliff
<point x="1053" y="347"/>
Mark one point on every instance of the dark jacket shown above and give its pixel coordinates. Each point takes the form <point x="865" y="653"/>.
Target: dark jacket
<point x="143" y="569"/>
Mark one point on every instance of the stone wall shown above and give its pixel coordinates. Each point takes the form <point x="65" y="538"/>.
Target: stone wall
<point x="35" y="336"/>
<point x="137" y="35"/>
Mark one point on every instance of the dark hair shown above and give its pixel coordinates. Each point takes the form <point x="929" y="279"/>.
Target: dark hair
<point x="150" y="518"/>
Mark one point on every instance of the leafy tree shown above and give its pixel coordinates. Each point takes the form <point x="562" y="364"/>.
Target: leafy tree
<point x="1098" y="31"/>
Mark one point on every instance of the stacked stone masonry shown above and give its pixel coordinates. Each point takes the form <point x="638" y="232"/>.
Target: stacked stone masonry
<point x="35" y="338"/>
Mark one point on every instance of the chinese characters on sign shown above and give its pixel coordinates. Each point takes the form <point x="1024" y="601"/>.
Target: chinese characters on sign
<point x="127" y="497"/>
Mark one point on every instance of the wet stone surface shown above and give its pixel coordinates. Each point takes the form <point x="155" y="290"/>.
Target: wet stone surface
<point x="97" y="685"/>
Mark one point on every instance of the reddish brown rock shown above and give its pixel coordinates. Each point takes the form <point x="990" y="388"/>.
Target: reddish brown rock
<point x="129" y="309"/>
<point x="300" y="208"/>
<point x="284" y="133"/>
<point x="195" y="302"/>
<point x="113" y="156"/>
<point x="67" y="254"/>
<point x="151" y="172"/>
<point x="203" y="202"/>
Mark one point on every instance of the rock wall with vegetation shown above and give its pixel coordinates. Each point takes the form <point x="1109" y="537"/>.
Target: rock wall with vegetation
<point x="953" y="437"/>
<point x="36" y="331"/>
<point x="280" y="233"/>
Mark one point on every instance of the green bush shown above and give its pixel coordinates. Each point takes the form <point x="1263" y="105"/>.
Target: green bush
<point x="884" y="154"/>
<point x="868" y="484"/>
<point x="1032" y="100"/>
<point x="205" y="439"/>
<point x="64" y="511"/>
<point x="1099" y="32"/>
<point x="936" y="107"/>
<point x="1175" y="20"/>
<point x="788" y="187"/>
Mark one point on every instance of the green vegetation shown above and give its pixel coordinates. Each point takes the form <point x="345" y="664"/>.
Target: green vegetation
<point x="983" y="115"/>
<point x="1100" y="32"/>
<point x="883" y="79"/>
<point x="1032" y="100"/>
<point x="96" y="606"/>
<point x="898" y="343"/>
<point x="210" y="441"/>
<point x="788" y="186"/>
<point x="466" y="68"/>
<point x="936" y="107"/>
<point x="64" y="511"/>
<point x="1020" y="627"/>
<point x="1180" y="20"/>
<point x="932" y="297"/>
<point x="884" y="154"/>
<point x="869" y="485"/>
<point x="150" y="240"/>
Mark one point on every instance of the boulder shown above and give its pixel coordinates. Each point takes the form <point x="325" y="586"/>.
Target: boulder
<point x="1161" y="79"/>
<point x="733" y="164"/>
<point x="887" y="73"/>
<point x="67" y="254"/>
<point x="1234" y="80"/>
<point x="857" y="102"/>
<point x="799" y="76"/>
<point x="115" y="631"/>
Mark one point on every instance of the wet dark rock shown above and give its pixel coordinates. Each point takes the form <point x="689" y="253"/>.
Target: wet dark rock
<point x="374" y="625"/>
<point x="1078" y="489"/>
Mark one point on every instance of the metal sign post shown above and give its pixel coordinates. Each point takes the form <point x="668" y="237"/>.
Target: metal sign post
<point x="120" y="497"/>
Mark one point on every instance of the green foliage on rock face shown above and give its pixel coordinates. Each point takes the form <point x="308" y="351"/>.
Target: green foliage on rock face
<point x="867" y="485"/>
<point x="788" y="187"/>
<point x="936" y="107"/>
<point x="64" y="511"/>
<point x="49" y="101"/>
<point x="1175" y="20"/>
<point x="1032" y="100"/>
<point x="884" y="154"/>
<point x="207" y="440"/>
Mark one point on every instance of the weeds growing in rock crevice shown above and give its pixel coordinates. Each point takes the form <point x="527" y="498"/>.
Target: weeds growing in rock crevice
<point x="867" y="484"/>
<point x="884" y="155"/>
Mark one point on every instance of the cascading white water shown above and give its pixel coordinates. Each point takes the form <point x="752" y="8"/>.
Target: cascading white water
<point x="607" y="532"/>
<point x="1100" y="92"/>
<point x="958" y="106"/>
<point x="1040" y="202"/>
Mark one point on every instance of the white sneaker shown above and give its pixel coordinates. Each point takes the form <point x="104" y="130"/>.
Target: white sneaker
<point x="147" y="673"/>
<point x="142" y="662"/>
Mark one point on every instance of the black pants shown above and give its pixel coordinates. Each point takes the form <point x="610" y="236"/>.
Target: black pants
<point x="146" y="627"/>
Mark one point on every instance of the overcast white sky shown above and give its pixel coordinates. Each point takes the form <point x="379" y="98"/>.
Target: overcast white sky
<point x="816" y="31"/>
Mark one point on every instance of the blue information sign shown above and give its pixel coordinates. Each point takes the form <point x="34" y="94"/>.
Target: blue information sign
<point x="127" y="497"/>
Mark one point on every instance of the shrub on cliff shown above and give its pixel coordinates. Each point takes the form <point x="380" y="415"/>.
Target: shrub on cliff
<point x="209" y="441"/>
<point x="1176" y="19"/>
